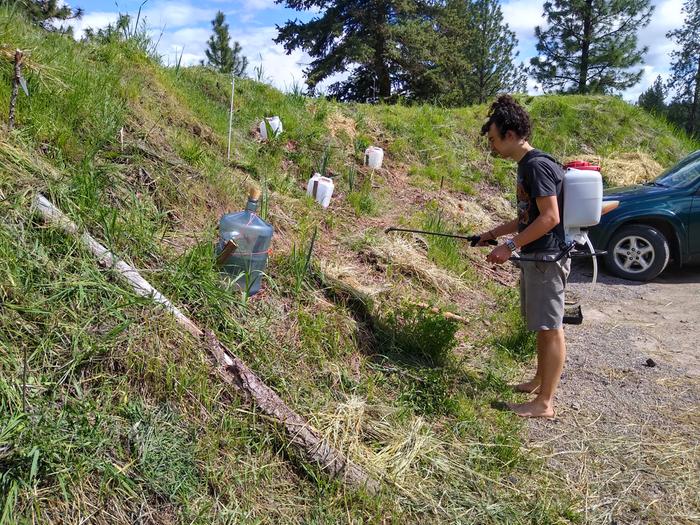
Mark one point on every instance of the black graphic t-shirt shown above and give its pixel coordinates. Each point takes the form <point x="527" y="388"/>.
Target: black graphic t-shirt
<point x="539" y="175"/>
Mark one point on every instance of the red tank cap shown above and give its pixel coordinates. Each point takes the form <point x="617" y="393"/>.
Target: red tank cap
<point x="581" y="165"/>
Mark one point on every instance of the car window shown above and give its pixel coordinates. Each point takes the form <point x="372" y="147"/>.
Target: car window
<point x="684" y="173"/>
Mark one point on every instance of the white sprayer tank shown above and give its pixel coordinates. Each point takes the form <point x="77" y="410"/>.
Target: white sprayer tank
<point x="321" y="189"/>
<point x="275" y="125"/>
<point x="583" y="200"/>
<point x="374" y="157"/>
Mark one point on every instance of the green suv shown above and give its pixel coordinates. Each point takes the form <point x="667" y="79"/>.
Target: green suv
<point x="654" y="223"/>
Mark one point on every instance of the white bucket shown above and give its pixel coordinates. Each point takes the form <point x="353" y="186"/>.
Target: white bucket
<point x="275" y="125"/>
<point x="320" y="188"/>
<point x="374" y="157"/>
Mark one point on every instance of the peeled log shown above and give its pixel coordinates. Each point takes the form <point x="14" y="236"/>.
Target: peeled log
<point x="313" y="446"/>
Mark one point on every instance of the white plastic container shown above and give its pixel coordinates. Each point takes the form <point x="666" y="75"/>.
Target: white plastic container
<point x="320" y="188"/>
<point x="275" y="125"/>
<point x="374" y="157"/>
<point x="583" y="200"/>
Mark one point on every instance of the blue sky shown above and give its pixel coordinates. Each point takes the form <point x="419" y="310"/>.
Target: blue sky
<point x="187" y="24"/>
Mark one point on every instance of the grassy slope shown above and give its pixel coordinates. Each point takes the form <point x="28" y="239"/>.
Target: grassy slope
<point x="124" y="421"/>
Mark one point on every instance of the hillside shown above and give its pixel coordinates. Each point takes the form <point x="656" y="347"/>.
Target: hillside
<point x="110" y="413"/>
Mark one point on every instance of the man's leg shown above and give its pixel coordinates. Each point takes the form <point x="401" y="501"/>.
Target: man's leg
<point x="532" y="386"/>
<point x="551" y="352"/>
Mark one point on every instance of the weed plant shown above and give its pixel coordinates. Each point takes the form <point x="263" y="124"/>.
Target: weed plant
<point x="363" y="200"/>
<point x="418" y="334"/>
<point x="444" y="251"/>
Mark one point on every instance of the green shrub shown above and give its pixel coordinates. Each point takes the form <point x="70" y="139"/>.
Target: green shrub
<point x="418" y="333"/>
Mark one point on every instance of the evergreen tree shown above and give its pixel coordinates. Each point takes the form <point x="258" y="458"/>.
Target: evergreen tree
<point x="220" y="54"/>
<point x="590" y="45"/>
<point x="490" y="52"/>
<point x="45" y="12"/>
<point x="685" y="65"/>
<point x="385" y="43"/>
<point x="653" y="98"/>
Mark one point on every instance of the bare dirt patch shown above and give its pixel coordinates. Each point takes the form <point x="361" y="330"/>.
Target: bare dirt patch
<point x="627" y="435"/>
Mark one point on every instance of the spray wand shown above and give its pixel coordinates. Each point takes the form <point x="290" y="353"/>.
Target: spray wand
<point x="475" y="239"/>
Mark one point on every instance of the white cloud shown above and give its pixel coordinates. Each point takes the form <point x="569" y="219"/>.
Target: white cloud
<point x="257" y="45"/>
<point x="522" y="16"/>
<point x="177" y="14"/>
<point x="258" y="5"/>
<point x="667" y="16"/>
<point x="94" y="20"/>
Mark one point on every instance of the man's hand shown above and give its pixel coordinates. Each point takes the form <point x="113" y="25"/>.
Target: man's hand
<point x="484" y="239"/>
<point x="499" y="255"/>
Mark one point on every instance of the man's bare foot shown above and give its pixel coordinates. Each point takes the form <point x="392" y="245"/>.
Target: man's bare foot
<point x="532" y="409"/>
<point x="531" y="387"/>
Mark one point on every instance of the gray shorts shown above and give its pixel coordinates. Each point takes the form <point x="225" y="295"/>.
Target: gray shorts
<point x="542" y="287"/>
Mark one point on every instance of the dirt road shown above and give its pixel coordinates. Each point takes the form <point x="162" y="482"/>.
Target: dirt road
<point x="627" y="435"/>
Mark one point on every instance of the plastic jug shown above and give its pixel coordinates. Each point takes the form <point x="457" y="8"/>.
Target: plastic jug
<point x="374" y="157"/>
<point x="275" y="125"/>
<point x="244" y="244"/>
<point x="321" y="189"/>
<point x="583" y="199"/>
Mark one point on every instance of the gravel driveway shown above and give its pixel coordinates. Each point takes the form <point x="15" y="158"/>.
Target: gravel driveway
<point x="627" y="434"/>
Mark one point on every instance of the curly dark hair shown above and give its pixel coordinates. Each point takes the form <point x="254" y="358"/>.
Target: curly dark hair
<point x="508" y="115"/>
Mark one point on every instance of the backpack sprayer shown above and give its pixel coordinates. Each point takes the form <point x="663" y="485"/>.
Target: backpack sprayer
<point x="582" y="207"/>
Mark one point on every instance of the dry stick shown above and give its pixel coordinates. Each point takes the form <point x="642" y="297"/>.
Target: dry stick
<point x="447" y="315"/>
<point x="15" y="87"/>
<point x="314" y="447"/>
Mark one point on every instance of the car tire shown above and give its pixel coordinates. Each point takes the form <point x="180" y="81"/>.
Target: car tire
<point x="637" y="252"/>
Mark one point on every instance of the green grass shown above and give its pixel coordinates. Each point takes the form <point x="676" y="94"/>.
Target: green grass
<point x="363" y="200"/>
<point x="106" y="407"/>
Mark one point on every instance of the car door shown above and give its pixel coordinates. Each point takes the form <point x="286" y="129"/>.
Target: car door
<point x="694" y="226"/>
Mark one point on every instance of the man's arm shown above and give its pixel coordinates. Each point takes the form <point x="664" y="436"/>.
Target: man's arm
<point x="501" y="229"/>
<point x="547" y="219"/>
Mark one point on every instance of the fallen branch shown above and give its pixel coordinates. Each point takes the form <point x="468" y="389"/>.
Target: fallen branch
<point x="313" y="446"/>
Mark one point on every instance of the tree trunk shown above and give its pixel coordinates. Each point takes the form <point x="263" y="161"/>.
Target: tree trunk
<point x="585" y="48"/>
<point x="381" y="69"/>
<point x="693" y="117"/>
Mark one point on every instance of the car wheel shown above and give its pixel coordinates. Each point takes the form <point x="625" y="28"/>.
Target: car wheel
<point x="637" y="252"/>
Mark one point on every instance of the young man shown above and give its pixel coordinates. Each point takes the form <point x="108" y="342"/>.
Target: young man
<point x="539" y="233"/>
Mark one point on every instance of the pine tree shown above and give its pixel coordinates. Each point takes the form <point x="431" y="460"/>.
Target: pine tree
<point x="685" y="65"/>
<point x="653" y="99"/>
<point x="384" y="43"/>
<point x="490" y="51"/>
<point x="590" y="45"/>
<point x="240" y="62"/>
<point x="220" y="54"/>
<point x="45" y="12"/>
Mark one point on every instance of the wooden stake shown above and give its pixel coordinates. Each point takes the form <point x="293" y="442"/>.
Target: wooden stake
<point x="313" y="446"/>
<point x="15" y="87"/>
<point x="229" y="248"/>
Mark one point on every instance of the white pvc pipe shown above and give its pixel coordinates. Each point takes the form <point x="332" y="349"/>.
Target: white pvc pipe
<point x="230" y="118"/>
